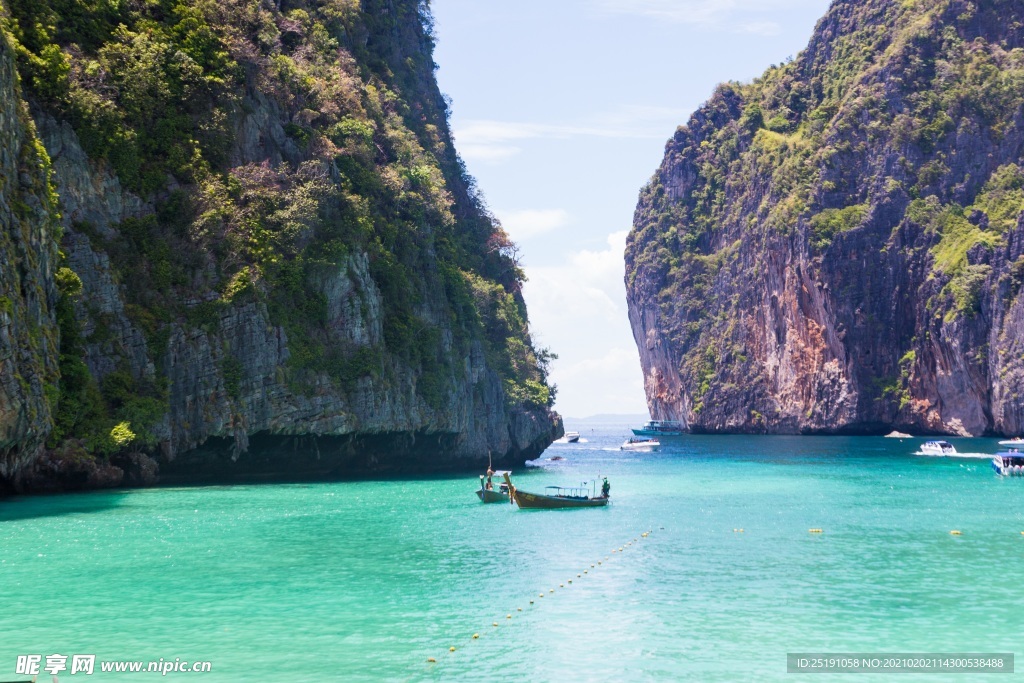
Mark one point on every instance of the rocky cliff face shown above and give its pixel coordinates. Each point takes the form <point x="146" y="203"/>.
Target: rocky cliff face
<point x="28" y="251"/>
<point x="839" y="246"/>
<point x="283" y="266"/>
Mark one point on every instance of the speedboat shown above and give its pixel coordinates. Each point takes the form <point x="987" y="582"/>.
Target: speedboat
<point x="572" y="437"/>
<point x="487" y="493"/>
<point x="1018" y="442"/>
<point x="660" y="428"/>
<point x="639" y="444"/>
<point x="555" y="497"/>
<point x="937" y="448"/>
<point x="1008" y="464"/>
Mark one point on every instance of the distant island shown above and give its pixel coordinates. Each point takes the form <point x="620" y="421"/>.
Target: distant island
<point x="838" y="246"/>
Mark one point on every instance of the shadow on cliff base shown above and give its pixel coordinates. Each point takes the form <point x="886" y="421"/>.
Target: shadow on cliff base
<point x="302" y="458"/>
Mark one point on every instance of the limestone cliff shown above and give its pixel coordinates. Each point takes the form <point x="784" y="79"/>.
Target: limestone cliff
<point x="284" y="268"/>
<point x="839" y="245"/>
<point x="28" y="252"/>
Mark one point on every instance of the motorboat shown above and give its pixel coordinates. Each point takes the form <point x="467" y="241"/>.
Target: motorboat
<point x="572" y="437"/>
<point x="937" y="448"/>
<point x="1018" y="442"/>
<point x="639" y="443"/>
<point x="660" y="428"/>
<point x="1009" y="463"/>
<point x="487" y="493"/>
<point x="555" y="497"/>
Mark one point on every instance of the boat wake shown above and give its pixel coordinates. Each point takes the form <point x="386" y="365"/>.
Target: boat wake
<point x="975" y="456"/>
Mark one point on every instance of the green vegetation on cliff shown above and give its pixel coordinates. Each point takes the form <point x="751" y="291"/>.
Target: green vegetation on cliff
<point x="874" y="187"/>
<point x="277" y="146"/>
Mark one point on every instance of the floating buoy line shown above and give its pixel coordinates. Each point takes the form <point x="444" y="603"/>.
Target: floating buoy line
<point x="599" y="563"/>
<point x="561" y="586"/>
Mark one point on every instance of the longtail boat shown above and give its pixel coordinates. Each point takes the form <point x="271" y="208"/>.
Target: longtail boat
<point x="557" y="497"/>
<point x="487" y="493"/>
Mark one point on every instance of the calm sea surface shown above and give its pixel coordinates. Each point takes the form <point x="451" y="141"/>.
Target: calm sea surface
<point x="366" y="580"/>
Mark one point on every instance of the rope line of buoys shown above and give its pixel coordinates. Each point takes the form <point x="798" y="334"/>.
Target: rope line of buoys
<point x="508" y="617"/>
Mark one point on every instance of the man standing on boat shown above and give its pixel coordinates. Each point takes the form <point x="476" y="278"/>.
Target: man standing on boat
<point x="606" y="488"/>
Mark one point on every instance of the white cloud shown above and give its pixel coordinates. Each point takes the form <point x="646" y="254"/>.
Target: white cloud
<point x="494" y="141"/>
<point x="737" y="16"/>
<point x="608" y="383"/>
<point x="579" y="309"/>
<point x="489" y="154"/>
<point x="523" y="225"/>
<point x="588" y="284"/>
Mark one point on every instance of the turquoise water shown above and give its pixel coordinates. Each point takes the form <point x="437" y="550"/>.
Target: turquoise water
<point x="366" y="580"/>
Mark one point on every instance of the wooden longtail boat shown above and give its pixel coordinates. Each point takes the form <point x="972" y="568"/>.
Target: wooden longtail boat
<point x="492" y="495"/>
<point x="557" y="497"/>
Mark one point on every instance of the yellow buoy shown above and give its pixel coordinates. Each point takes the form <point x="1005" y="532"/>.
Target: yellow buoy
<point x="956" y="532"/>
<point x="644" y="534"/>
<point x="475" y="636"/>
<point x="561" y="585"/>
<point x="570" y="580"/>
<point x="580" y="576"/>
<point x="519" y="609"/>
<point x="431" y="660"/>
<point x="531" y="602"/>
<point x="451" y="649"/>
<point x="815" y="531"/>
<point x="552" y="590"/>
<point x="508" y="616"/>
<point x="494" y="624"/>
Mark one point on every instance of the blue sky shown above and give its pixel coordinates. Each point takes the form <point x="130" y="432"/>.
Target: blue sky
<point x="561" y="110"/>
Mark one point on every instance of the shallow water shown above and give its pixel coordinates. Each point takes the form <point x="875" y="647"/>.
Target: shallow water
<point x="366" y="580"/>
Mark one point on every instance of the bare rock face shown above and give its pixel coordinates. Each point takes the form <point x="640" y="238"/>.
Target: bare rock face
<point x="28" y="251"/>
<point x="836" y="247"/>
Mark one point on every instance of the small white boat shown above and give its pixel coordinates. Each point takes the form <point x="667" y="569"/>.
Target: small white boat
<point x="1019" y="442"/>
<point x="937" y="448"/>
<point x="639" y="444"/>
<point x="1009" y="464"/>
<point x="572" y="437"/>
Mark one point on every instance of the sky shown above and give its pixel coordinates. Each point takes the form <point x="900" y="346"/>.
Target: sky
<point x="561" y="110"/>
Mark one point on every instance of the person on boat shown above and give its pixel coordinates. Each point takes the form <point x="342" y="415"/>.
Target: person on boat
<point x="606" y="488"/>
<point x="490" y="484"/>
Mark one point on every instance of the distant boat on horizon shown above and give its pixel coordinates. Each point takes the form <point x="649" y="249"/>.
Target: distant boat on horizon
<point x="660" y="428"/>
<point x="640" y="444"/>
<point x="937" y="448"/>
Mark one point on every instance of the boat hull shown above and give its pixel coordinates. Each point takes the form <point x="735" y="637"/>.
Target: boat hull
<point x="537" y="501"/>
<point x="655" y="432"/>
<point x="491" y="496"/>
